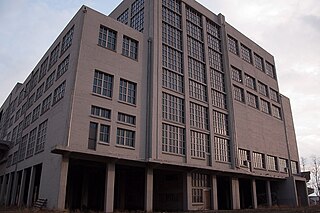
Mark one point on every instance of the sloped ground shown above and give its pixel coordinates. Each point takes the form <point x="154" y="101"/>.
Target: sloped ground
<point x="311" y="209"/>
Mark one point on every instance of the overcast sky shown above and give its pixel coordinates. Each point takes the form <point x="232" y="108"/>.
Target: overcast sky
<point x="288" y="29"/>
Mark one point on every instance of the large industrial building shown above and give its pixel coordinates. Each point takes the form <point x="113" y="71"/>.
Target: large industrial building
<point x="160" y="106"/>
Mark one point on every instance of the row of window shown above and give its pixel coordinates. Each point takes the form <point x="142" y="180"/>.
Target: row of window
<point x="253" y="101"/>
<point x="253" y="84"/>
<point x="263" y="161"/>
<point x="31" y="143"/>
<point x="103" y="85"/>
<point x="255" y="59"/>
<point x="104" y="113"/>
<point x="108" y="39"/>
<point x="136" y="17"/>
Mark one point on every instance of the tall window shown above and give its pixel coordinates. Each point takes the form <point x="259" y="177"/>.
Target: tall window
<point x="46" y="103"/>
<point x="215" y="60"/>
<point x="274" y="95"/>
<point x="42" y="133"/>
<point x="220" y="123"/>
<point x="173" y="139"/>
<point x="197" y="90"/>
<point x="102" y="84"/>
<point x="258" y="160"/>
<point x="125" y="137"/>
<point x="222" y="149"/>
<point x="217" y="80"/>
<point x="58" y="93"/>
<point x="199" y="144"/>
<point x="36" y="113"/>
<point x="236" y="74"/>
<point x="171" y="36"/>
<point x="137" y="15"/>
<point x="130" y="48"/>
<point x="246" y="54"/>
<point x="252" y="100"/>
<point x="172" y="108"/>
<point x="39" y="91"/>
<point x="31" y="142"/>
<point x="127" y="91"/>
<point x="104" y="135"/>
<point x="258" y="62"/>
<point x="172" y="80"/>
<point x="23" y="147"/>
<point x="63" y="67"/>
<point x="200" y="182"/>
<point x="107" y="38"/>
<point x="214" y="43"/>
<point x="67" y="40"/>
<point x="283" y="165"/>
<point x="43" y="68"/>
<point x="250" y="82"/>
<point x="199" y="116"/>
<point x="54" y="55"/>
<point x="233" y="45"/>
<point x="172" y="59"/>
<point x="93" y="131"/>
<point x="294" y="167"/>
<point x="270" y="70"/>
<point x="197" y="70"/>
<point x="50" y="80"/>
<point x="244" y="157"/>
<point x="219" y="99"/>
<point x="271" y="163"/>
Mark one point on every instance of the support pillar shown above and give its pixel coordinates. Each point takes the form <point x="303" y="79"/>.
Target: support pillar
<point x="214" y="193"/>
<point x="235" y="193"/>
<point x="187" y="204"/>
<point x="22" y="186"/>
<point x="109" y="187"/>
<point x="269" y="196"/>
<point x="149" y="190"/>
<point x="14" y="188"/>
<point x="31" y="186"/>
<point x="9" y="189"/>
<point x="3" y="188"/>
<point x="63" y="182"/>
<point x="254" y="194"/>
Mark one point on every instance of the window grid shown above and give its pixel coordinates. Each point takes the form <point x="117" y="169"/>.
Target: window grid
<point x="67" y="40"/>
<point x="246" y="54"/>
<point x="172" y="80"/>
<point x="263" y="89"/>
<point x="46" y="104"/>
<point x="31" y="142"/>
<point x="198" y="91"/>
<point x="174" y="5"/>
<point x="104" y="135"/>
<point x="197" y="70"/>
<point x="222" y="149"/>
<point x="274" y="95"/>
<point x="219" y="99"/>
<point x="199" y="183"/>
<point x="283" y="165"/>
<point x="54" y="55"/>
<point x="130" y="48"/>
<point x="270" y="70"/>
<point x="199" y="116"/>
<point x="258" y="62"/>
<point x="171" y="36"/>
<point x="63" y="67"/>
<point x="22" y="147"/>
<point x="258" y="160"/>
<point x="199" y="144"/>
<point x="101" y="112"/>
<point x="294" y="167"/>
<point x="171" y="17"/>
<point x="213" y="29"/>
<point x="127" y="91"/>
<point x="36" y="113"/>
<point x="194" y="31"/>
<point x="250" y="82"/>
<point x="172" y="108"/>
<point x="50" y="80"/>
<point x="195" y="49"/>
<point x="265" y="106"/>
<point x="43" y="69"/>
<point x="58" y="93"/>
<point x="107" y="38"/>
<point x="233" y="45"/>
<point x="236" y="74"/>
<point x="124" y="17"/>
<point x="137" y="21"/>
<point x="244" y="157"/>
<point x="271" y="163"/>
<point x="125" y="118"/>
<point x="102" y="84"/>
<point x="42" y="132"/>
<point x="214" y="43"/>
<point x="276" y="112"/>
<point x="173" y="139"/>
<point x="215" y="60"/>
<point x="193" y="16"/>
<point x="39" y="91"/>
<point x="217" y="80"/>
<point x="252" y="100"/>
<point x="172" y="59"/>
<point x="220" y="123"/>
<point x="125" y="137"/>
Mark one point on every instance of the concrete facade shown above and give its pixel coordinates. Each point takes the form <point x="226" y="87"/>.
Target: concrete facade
<point x="160" y="106"/>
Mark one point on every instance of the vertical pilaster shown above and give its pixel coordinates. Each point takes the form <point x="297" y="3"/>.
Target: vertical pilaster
<point x="254" y="194"/>
<point x="149" y="190"/>
<point x="235" y="193"/>
<point x="268" y="189"/>
<point x="109" y="187"/>
<point x="22" y="186"/>
<point x="31" y="186"/>
<point x="14" y="188"/>
<point x="214" y="193"/>
<point x="63" y="182"/>
<point x="8" y="190"/>
<point x="187" y="189"/>
<point x="3" y="188"/>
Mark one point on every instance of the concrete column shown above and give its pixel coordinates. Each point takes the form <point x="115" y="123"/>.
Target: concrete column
<point x="214" y="193"/>
<point x="14" y="188"/>
<point x="149" y="190"/>
<point x="63" y="182"/>
<point x="3" y="188"/>
<point x="22" y="186"/>
<point x="9" y="189"/>
<point x="254" y="194"/>
<point x="109" y="187"/>
<point x="235" y="193"/>
<point x="268" y="190"/>
<point x="31" y="186"/>
<point x="188" y="192"/>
